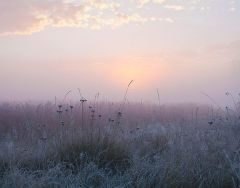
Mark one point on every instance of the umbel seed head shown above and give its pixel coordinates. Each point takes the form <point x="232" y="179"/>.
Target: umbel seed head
<point x="82" y="100"/>
<point x="119" y="114"/>
<point x="210" y="122"/>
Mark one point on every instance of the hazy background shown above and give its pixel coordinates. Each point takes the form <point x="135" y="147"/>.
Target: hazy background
<point x="181" y="47"/>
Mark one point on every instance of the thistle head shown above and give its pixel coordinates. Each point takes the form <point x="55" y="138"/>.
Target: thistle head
<point x="210" y="122"/>
<point x="119" y="114"/>
<point x="111" y="120"/>
<point x="59" y="111"/>
<point x="82" y="100"/>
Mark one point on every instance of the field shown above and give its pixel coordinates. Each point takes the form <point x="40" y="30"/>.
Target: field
<point x="105" y="144"/>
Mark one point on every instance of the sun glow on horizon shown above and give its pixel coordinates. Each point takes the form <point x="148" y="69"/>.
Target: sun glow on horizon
<point x="181" y="47"/>
<point x="143" y="74"/>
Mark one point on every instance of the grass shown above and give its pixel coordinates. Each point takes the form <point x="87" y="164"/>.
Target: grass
<point x="103" y="151"/>
<point x="176" y="147"/>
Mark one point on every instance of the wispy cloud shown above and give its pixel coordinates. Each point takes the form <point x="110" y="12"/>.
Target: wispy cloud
<point x="144" y="2"/>
<point x="29" y="16"/>
<point x="174" y="7"/>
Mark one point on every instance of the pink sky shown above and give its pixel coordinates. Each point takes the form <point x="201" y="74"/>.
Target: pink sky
<point x="181" y="47"/>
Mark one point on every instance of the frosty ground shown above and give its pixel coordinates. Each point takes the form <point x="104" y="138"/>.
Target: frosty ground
<point x="100" y="144"/>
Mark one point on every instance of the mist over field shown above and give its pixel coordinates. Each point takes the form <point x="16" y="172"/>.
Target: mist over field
<point x="131" y="93"/>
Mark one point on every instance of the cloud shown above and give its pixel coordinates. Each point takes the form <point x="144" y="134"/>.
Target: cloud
<point x="232" y="9"/>
<point x="144" y="2"/>
<point x="159" y="1"/>
<point x="30" y="16"/>
<point x="174" y="7"/>
<point x="18" y="17"/>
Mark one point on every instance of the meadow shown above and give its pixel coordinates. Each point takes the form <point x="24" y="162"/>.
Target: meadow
<point x="110" y="144"/>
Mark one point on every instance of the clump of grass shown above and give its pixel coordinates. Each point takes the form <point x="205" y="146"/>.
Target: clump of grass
<point x="104" y="151"/>
<point x="4" y="166"/>
<point x="154" y="146"/>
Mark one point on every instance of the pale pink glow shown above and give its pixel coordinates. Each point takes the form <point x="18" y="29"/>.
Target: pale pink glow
<point x="181" y="48"/>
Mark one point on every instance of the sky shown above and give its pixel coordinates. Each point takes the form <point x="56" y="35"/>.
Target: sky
<point x="182" y="48"/>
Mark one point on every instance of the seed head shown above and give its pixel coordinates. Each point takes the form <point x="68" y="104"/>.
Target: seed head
<point x="82" y="100"/>
<point x="119" y="114"/>
<point x="210" y="122"/>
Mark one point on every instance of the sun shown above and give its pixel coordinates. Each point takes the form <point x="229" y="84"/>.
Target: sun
<point x="128" y="71"/>
<point x="143" y="74"/>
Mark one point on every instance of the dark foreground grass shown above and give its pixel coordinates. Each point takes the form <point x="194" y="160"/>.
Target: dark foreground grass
<point x="144" y="148"/>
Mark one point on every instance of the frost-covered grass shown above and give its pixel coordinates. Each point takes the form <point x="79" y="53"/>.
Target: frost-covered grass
<point x="141" y="146"/>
